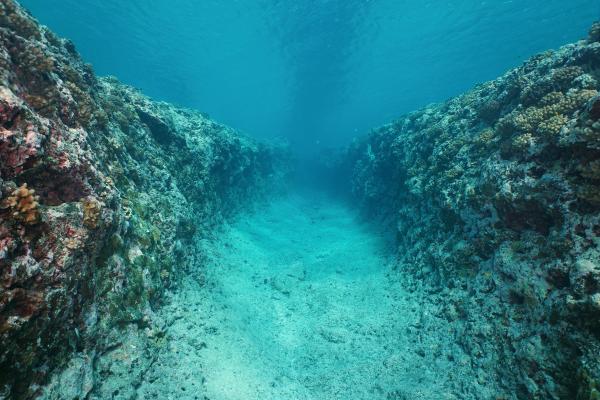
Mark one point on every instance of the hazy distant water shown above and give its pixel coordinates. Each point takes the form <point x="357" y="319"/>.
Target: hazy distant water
<point x="316" y="71"/>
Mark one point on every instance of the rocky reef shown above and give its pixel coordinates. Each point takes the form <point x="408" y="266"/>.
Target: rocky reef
<point x="496" y="199"/>
<point x="105" y="194"/>
<point x="100" y="190"/>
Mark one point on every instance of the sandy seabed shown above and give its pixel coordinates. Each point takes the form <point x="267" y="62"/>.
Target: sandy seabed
<point x="297" y="302"/>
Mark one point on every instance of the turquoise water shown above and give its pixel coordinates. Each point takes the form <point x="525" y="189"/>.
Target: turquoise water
<point x="299" y="298"/>
<point x="317" y="72"/>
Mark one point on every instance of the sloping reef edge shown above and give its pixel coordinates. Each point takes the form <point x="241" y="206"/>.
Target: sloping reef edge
<point x="495" y="200"/>
<point x="102" y="191"/>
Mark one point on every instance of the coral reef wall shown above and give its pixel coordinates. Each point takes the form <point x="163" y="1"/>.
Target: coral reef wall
<point x="496" y="198"/>
<point x="100" y="190"/>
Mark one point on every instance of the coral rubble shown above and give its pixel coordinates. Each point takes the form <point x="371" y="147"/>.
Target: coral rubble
<point x="496" y="198"/>
<point x="101" y="188"/>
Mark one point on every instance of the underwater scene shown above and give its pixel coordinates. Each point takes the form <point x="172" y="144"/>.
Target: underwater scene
<point x="300" y="200"/>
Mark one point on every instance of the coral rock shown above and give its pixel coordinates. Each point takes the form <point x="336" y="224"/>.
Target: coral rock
<point x="24" y="204"/>
<point x="91" y="212"/>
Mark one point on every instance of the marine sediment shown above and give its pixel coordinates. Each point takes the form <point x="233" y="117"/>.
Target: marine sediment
<point x="101" y="190"/>
<point x="495" y="196"/>
<point x="104" y="195"/>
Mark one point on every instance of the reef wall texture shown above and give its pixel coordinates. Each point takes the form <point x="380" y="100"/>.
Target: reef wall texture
<point x="496" y="197"/>
<point x="100" y="190"/>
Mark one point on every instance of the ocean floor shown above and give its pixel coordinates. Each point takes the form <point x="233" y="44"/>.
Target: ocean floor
<point x="297" y="301"/>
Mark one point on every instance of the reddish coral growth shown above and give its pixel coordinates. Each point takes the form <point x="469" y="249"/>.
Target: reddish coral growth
<point x="20" y="142"/>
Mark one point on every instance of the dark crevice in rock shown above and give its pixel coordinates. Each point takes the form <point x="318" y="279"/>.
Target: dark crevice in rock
<point x="161" y="132"/>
